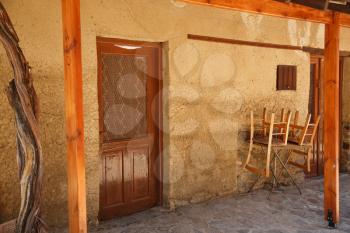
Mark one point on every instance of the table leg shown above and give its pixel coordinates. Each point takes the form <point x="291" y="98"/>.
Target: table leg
<point x="287" y="160"/>
<point x="290" y="176"/>
<point x="255" y="182"/>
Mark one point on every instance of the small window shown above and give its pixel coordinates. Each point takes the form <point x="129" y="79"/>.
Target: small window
<point x="286" y="77"/>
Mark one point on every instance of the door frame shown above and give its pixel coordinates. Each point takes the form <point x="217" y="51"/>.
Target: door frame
<point x="317" y="83"/>
<point x="319" y="57"/>
<point x="158" y="112"/>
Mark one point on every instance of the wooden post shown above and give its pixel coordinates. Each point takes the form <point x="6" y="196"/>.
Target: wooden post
<point x="331" y="119"/>
<point x="74" y="116"/>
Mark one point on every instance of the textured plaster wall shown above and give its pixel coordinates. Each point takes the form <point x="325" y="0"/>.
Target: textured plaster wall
<point x="210" y="88"/>
<point x="38" y="25"/>
<point x="209" y="101"/>
<point x="8" y="165"/>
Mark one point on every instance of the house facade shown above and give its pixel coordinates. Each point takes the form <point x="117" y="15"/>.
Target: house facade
<point x="208" y="90"/>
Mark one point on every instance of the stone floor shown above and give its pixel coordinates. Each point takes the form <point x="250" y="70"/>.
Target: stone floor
<point x="286" y="212"/>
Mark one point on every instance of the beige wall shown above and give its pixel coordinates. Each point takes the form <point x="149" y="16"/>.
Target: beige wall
<point x="210" y="89"/>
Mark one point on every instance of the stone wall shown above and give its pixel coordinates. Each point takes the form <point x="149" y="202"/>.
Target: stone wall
<point x="209" y="90"/>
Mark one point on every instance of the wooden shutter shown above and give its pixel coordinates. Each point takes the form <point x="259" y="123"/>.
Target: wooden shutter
<point x="286" y="77"/>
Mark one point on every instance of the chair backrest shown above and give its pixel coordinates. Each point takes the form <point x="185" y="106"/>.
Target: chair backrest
<point x="283" y="126"/>
<point x="258" y="126"/>
<point x="276" y="129"/>
<point x="281" y="129"/>
<point x="293" y="127"/>
<point x="309" y="131"/>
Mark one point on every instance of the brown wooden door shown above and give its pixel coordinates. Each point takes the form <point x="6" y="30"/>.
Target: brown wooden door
<point x="129" y="112"/>
<point x="316" y="108"/>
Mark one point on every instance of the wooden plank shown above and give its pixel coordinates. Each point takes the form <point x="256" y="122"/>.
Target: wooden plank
<point x="271" y="8"/>
<point x="243" y="42"/>
<point x="318" y="51"/>
<point x="311" y="50"/>
<point x="331" y="119"/>
<point x="74" y="116"/>
<point x="344" y="20"/>
<point x="278" y="9"/>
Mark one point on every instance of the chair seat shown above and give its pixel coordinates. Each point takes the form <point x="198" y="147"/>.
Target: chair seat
<point x="293" y="140"/>
<point x="265" y="141"/>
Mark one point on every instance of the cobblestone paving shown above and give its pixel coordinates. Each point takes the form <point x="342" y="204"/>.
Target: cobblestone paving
<point x="285" y="212"/>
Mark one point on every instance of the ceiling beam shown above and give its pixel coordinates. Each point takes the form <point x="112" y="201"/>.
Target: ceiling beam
<point x="278" y="9"/>
<point x="271" y="8"/>
<point x="344" y="20"/>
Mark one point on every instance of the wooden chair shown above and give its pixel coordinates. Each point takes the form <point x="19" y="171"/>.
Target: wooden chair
<point x="275" y="138"/>
<point x="303" y="142"/>
<point x="293" y="126"/>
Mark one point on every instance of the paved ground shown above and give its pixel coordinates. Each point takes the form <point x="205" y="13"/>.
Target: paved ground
<point x="286" y="212"/>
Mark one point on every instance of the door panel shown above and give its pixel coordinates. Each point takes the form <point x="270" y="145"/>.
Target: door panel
<point x="141" y="171"/>
<point x="114" y="178"/>
<point x="129" y="81"/>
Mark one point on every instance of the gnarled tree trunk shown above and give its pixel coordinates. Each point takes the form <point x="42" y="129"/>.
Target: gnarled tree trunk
<point x="24" y="101"/>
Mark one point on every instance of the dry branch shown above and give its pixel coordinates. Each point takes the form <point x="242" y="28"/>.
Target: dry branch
<point x="23" y="100"/>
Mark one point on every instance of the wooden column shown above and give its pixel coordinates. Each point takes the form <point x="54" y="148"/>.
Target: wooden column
<point x="74" y="116"/>
<point x="331" y="119"/>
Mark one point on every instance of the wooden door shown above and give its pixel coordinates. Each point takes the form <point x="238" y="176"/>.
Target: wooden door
<point x="129" y="82"/>
<point x="316" y="108"/>
<point x="316" y="103"/>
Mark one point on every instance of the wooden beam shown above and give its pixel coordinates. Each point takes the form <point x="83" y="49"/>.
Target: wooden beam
<point x="311" y="50"/>
<point x="243" y="42"/>
<point x="278" y="9"/>
<point x="74" y="116"/>
<point x="344" y="20"/>
<point x="271" y="8"/>
<point x="318" y="51"/>
<point x="331" y="119"/>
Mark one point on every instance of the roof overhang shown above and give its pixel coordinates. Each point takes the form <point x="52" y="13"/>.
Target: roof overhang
<point x="283" y="9"/>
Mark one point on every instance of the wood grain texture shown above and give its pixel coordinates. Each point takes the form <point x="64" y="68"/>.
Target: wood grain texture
<point x="243" y="42"/>
<point x="23" y="100"/>
<point x="344" y="20"/>
<point x="271" y="8"/>
<point x="130" y="182"/>
<point x="331" y="118"/>
<point x="74" y="116"/>
<point x="311" y="50"/>
<point x="278" y="9"/>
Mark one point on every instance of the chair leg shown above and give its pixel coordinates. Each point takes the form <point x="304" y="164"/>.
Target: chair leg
<point x="249" y="154"/>
<point x="269" y="146"/>
<point x="251" y="140"/>
<point x="268" y="161"/>
<point x="308" y="159"/>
